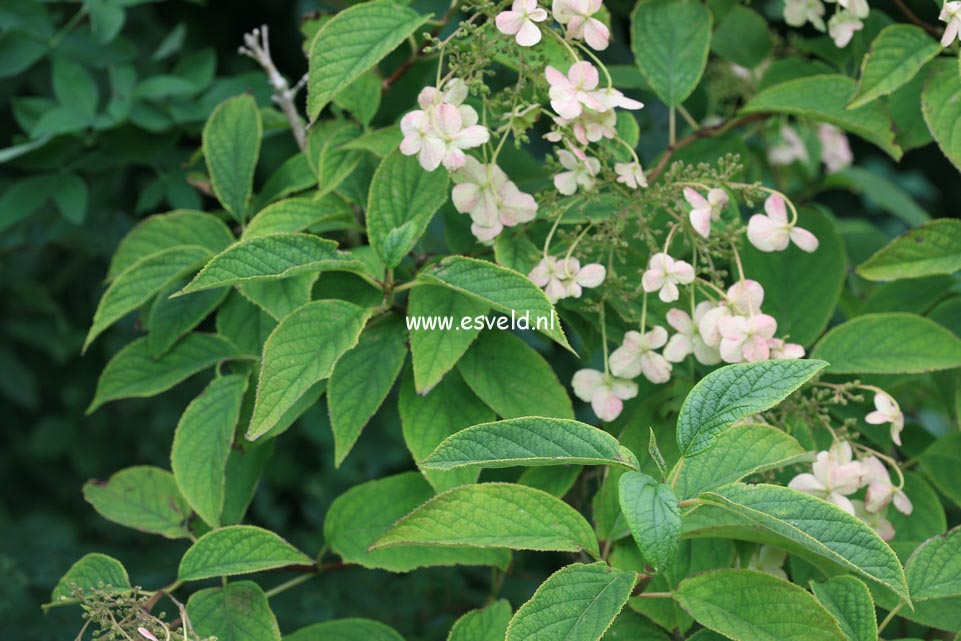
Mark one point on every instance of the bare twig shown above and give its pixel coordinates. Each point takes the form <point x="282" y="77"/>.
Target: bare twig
<point x="257" y="47"/>
<point x="912" y="17"/>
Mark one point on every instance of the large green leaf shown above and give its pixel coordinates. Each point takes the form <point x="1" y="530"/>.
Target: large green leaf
<point x="202" y="443"/>
<point x="743" y="37"/>
<point x="494" y="515"/>
<point x="850" y="602"/>
<point x="576" y="603"/>
<point x="878" y="191"/>
<point x="941" y="462"/>
<point x="730" y="393"/>
<point x="93" y="570"/>
<point x="503" y="289"/>
<point x="326" y="155"/>
<point x="652" y="512"/>
<point x="754" y="606"/>
<point x="357" y="518"/>
<point x="934" y="248"/>
<point x="143" y="498"/>
<point x="237" y="549"/>
<point x="487" y="624"/>
<point x="670" y="41"/>
<point x="895" y="57"/>
<point x="941" y="105"/>
<point x="352" y="42"/>
<point x="299" y="353"/>
<point x="927" y="517"/>
<point x="236" y="612"/>
<point x="279" y="298"/>
<point x="403" y="198"/>
<point x="529" y="441"/>
<point x="231" y="146"/>
<point x="889" y="344"/>
<point x="328" y="213"/>
<point x="934" y="570"/>
<point x="345" y="630"/>
<point x="171" y="318"/>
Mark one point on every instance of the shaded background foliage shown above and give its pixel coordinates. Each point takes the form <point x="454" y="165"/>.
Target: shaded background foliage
<point x="52" y="252"/>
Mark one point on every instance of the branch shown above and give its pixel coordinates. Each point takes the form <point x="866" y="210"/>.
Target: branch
<point x="407" y="64"/>
<point x="257" y="47"/>
<point x="705" y="132"/>
<point x="912" y="17"/>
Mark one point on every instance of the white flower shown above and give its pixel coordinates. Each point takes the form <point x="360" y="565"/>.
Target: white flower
<point x="705" y="210"/>
<point x="578" y="16"/>
<point x="788" y="149"/>
<point x="440" y="131"/>
<point x="886" y="410"/>
<point x="664" y="274"/>
<point x="857" y="8"/>
<point x="835" y="149"/>
<point x="611" y="98"/>
<point x="688" y="338"/>
<point x="842" y="27"/>
<point x="590" y="126"/>
<point x="784" y="351"/>
<point x="605" y="393"/>
<point x="881" y="491"/>
<point x="581" y="171"/>
<point x="835" y="476"/>
<point x="797" y="12"/>
<point x="492" y="201"/>
<point x="636" y="355"/>
<point x="951" y="14"/>
<point x="571" y="93"/>
<point x="770" y="560"/>
<point x="630" y="174"/>
<point x="743" y="299"/>
<point x="566" y="278"/>
<point x="773" y="232"/>
<point x="745" y="338"/>
<point x="520" y="21"/>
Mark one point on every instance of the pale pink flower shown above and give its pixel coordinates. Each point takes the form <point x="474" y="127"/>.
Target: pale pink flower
<point x="951" y="14"/>
<point x="745" y="338"/>
<point x="577" y="15"/>
<point x="589" y="276"/>
<point x="886" y="410"/>
<point x="519" y="21"/>
<point x="789" y="148"/>
<point x="566" y="278"/>
<point x="442" y="129"/>
<point x="146" y="634"/>
<point x="664" y="274"/>
<point x="581" y="171"/>
<point x="630" y="174"/>
<point x="842" y="26"/>
<point x="571" y="93"/>
<point x="611" y="98"/>
<point x="773" y="232"/>
<point x="835" y="149"/>
<point x="705" y="210"/>
<point x="857" y="8"/>
<point x="743" y="299"/>
<point x="784" y="351"/>
<point x="605" y="393"/>
<point x="835" y="476"/>
<point x="636" y="355"/>
<point x="492" y="201"/>
<point x="881" y="491"/>
<point x="590" y="126"/>
<point x="688" y="338"/>
<point x="798" y="12"/>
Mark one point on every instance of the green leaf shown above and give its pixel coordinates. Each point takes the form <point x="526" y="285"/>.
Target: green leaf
<point x="529" y="441"/>
<point x="362" y="379"/>
<point x="500" y="366"/>
<point x="143" y="498"/>
<point x="202" y="443"/>
<point x="889" y="344"/>
<point x="171" y="318"/>
<point x="801" y="290"/>
<point x="244" y="323"/>
<point x="352" y="42"/>
<point x="359" y="517"/>
<point x="816" y="525"/>
<point x="236" y="612"/>
<point x="934" y="570"/>
<point x="825" y="98"/>
<point x="71" y="198"/>
<point x="361" y="97"/>
<point x="487" y="624"/>
<point x="739" y="451"/>
<point x="850" y="602"/>
<point x="435" y="351"/>
<point x="934" y="248"/>
<point x="270" y="258"/>
<point x="74" y="88"/>
<point x="743" y="37"/>
<point x="941" y="106"/>
<point x="730" y="393"/>
<point x="244" y="469"/>
<point x="494" y="515"/>
<point x="941" y="463"/>
<point x="91" y="571"/>
<point x="328" y="213"/>
<point x="300" y="352"/>
<point x="927" y="519"/>
<point x="237" y="549"/>
<point x="379" y="142"/>
<point x="231" y="146"/>
<point x="345" y="630"/>
<point x="140" y="282"/>
<point x="631" y="626"/>
<point x="503" y="289"/>
<point x="329" y="160"/>
<point x="878" y="191"/>
<point x="652" y="512"/>
<point x="670" y="41"/>
<point x="895" y="57"/>
<point x="279" y="298"/>
<point x="133" y="372"/>
<point x="576" y="603"/>
<point x="754" y="606"/>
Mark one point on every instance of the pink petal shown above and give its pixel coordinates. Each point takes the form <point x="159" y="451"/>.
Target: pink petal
<point x="591" y="275"/>
<point x="767" y="235"/>
<point x="701" y="221"/>
<point x="678" y="348"/>
<point x="775" y="208"/>
<point x="509" y="22"/>
<point x="655" y="368"/>
<point x="586" y="382"/>
<point x="583" y="75"/>
<point x="804" y="239"/>
<point x="680" y="321"/>
<point x="806" y="483"/>
<point x="597" y="34"/>
<point x="528" y="35"/>
<point x="606" y="404"/>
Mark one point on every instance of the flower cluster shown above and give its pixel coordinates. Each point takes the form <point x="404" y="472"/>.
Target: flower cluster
<point x="443" y="127"/>
<point x="565" y="278"/>
<point x="847" y="20"/>
<point x="491" y="200"/>
<point x="772" y="231"/>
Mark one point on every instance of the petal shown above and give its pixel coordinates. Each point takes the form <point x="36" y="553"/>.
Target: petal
<point x="432" y="152"/>
<point x="775" y="208"/>
<point x="591" y="275"/>
<point x="902" y="503"/>
<point x="652" y="280"/>
<point x="704" y="353"/>
<point x="804" y="239"/>
<point x="566" y="183"/>
<point x="597" y="35"/>
<point x="466" y="197"/>
<point x="701" y="221"/>
<point x="682" y="272"/>
<point x="623" y="389"/>
<point x="755" y="349"/>
<point x="485" y="233"/>
<point x="529" y="34"/>
<point x="806" y="483"/>
<point x="669" y="292"/>
<point x="680" y="321"/>
<point x="767" y="235"/>
<point x="586" y="382"/>
<point x="583" y="75"/>
<point x="473" y="136"/>
<point x="655" y="338"/>
<point x="509" y="22"/>
<point x="655" y="368"/>
<point x="625" y="362"/>
<point x="539" y="275"/>
<point x="606" y="404"/>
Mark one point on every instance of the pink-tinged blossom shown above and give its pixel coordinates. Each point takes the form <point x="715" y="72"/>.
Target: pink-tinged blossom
<point x="770" y="560"/>
<point x="743" y="299"/>
<point x="490" y="198"/>
<point x="842" y="26"/>
<point x="781" y="350"/>
<point x="881" y="491"/>
<point x="611" y="98"/>
<point x="577" y="16"/>
<point x="799" y="12"/>
<point x="788" y="148"/>
<point x="772" y="231"/>
<point x="566" y="278"/>
<point x="688" y="338"/>
<point x="605" y="393"/>
<point x="590" y="126"/>
<point x="146" y="634"/>
<point x="442" y="129"/>
<point x="951" y="15"/>
<point x="571" y="93"/>
<point x="664" y="274"/>
<point x="835" y="476"/>
<point x="857" y="8"/>
<point x="745" y="338"/>
<point x="581" y="171"/>
<point x="520" y="21"/>
<point x="876" y="522"/>
<point x="886" y="410"/>
<point x="630" y="174"/>
<point x="636" y="355"/>
<point x="705" y="210"/>
<point x="835" y="148"/>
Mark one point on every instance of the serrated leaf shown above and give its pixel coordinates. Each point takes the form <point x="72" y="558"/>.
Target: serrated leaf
<point x="133" y="372"/>
<point x="825" y="98"/>
<point x="941" y="463"/>
<point x="143" y="498"/>
<point x="362" y="379"/>
<point x="171" y="318"/>
<point x="631" y="626"/>
<point x="934" y="570"/>
<point x="670" y="41"/>
<point x="934" y="248"/>
<point x="279" y="297"/>
<point x="503" y="289"/>
<point x="895" y="57"/>
<point x="270" y="258"/>
<point x="739" y="451"/>
<point x="499" y="367"/>
<point x="202" y="443"/>
<point x="361" y="97"/>
<point x="357" y="518"/>
<point x="244" y="469"/>
<point x="849" y="602"/>
<point x="237" y="549"/>
<point x="941" y="106"/>
<point x="816" y="525"/>
<point x="352" y="42"/>
<point x="494" y="515"/>
<point x="301" y="351"/>
<point x="576" y="603"/>
<point x="93" y="570"/>
<point x="231" y="146"/>
<point x="529" y="441"/>
<point x="754" y="606"/>
<point x="328" y="158"/>
<point x="927" y="519"/>
<point x="246" y="325"/>
<point x="345" y="630"/>
<point x="894" y="343"/>
<point x="236" y="612"/>
<point x="403" y="198"/>
<point x="730" y="393"/>
<point x="293" y="175"/>
<point x="379" y="142"/>
<point x="486" y="624"/>
<point x="652" y="512"/>
<point x="743" y="37"/>
<point x="328" y="213"/>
